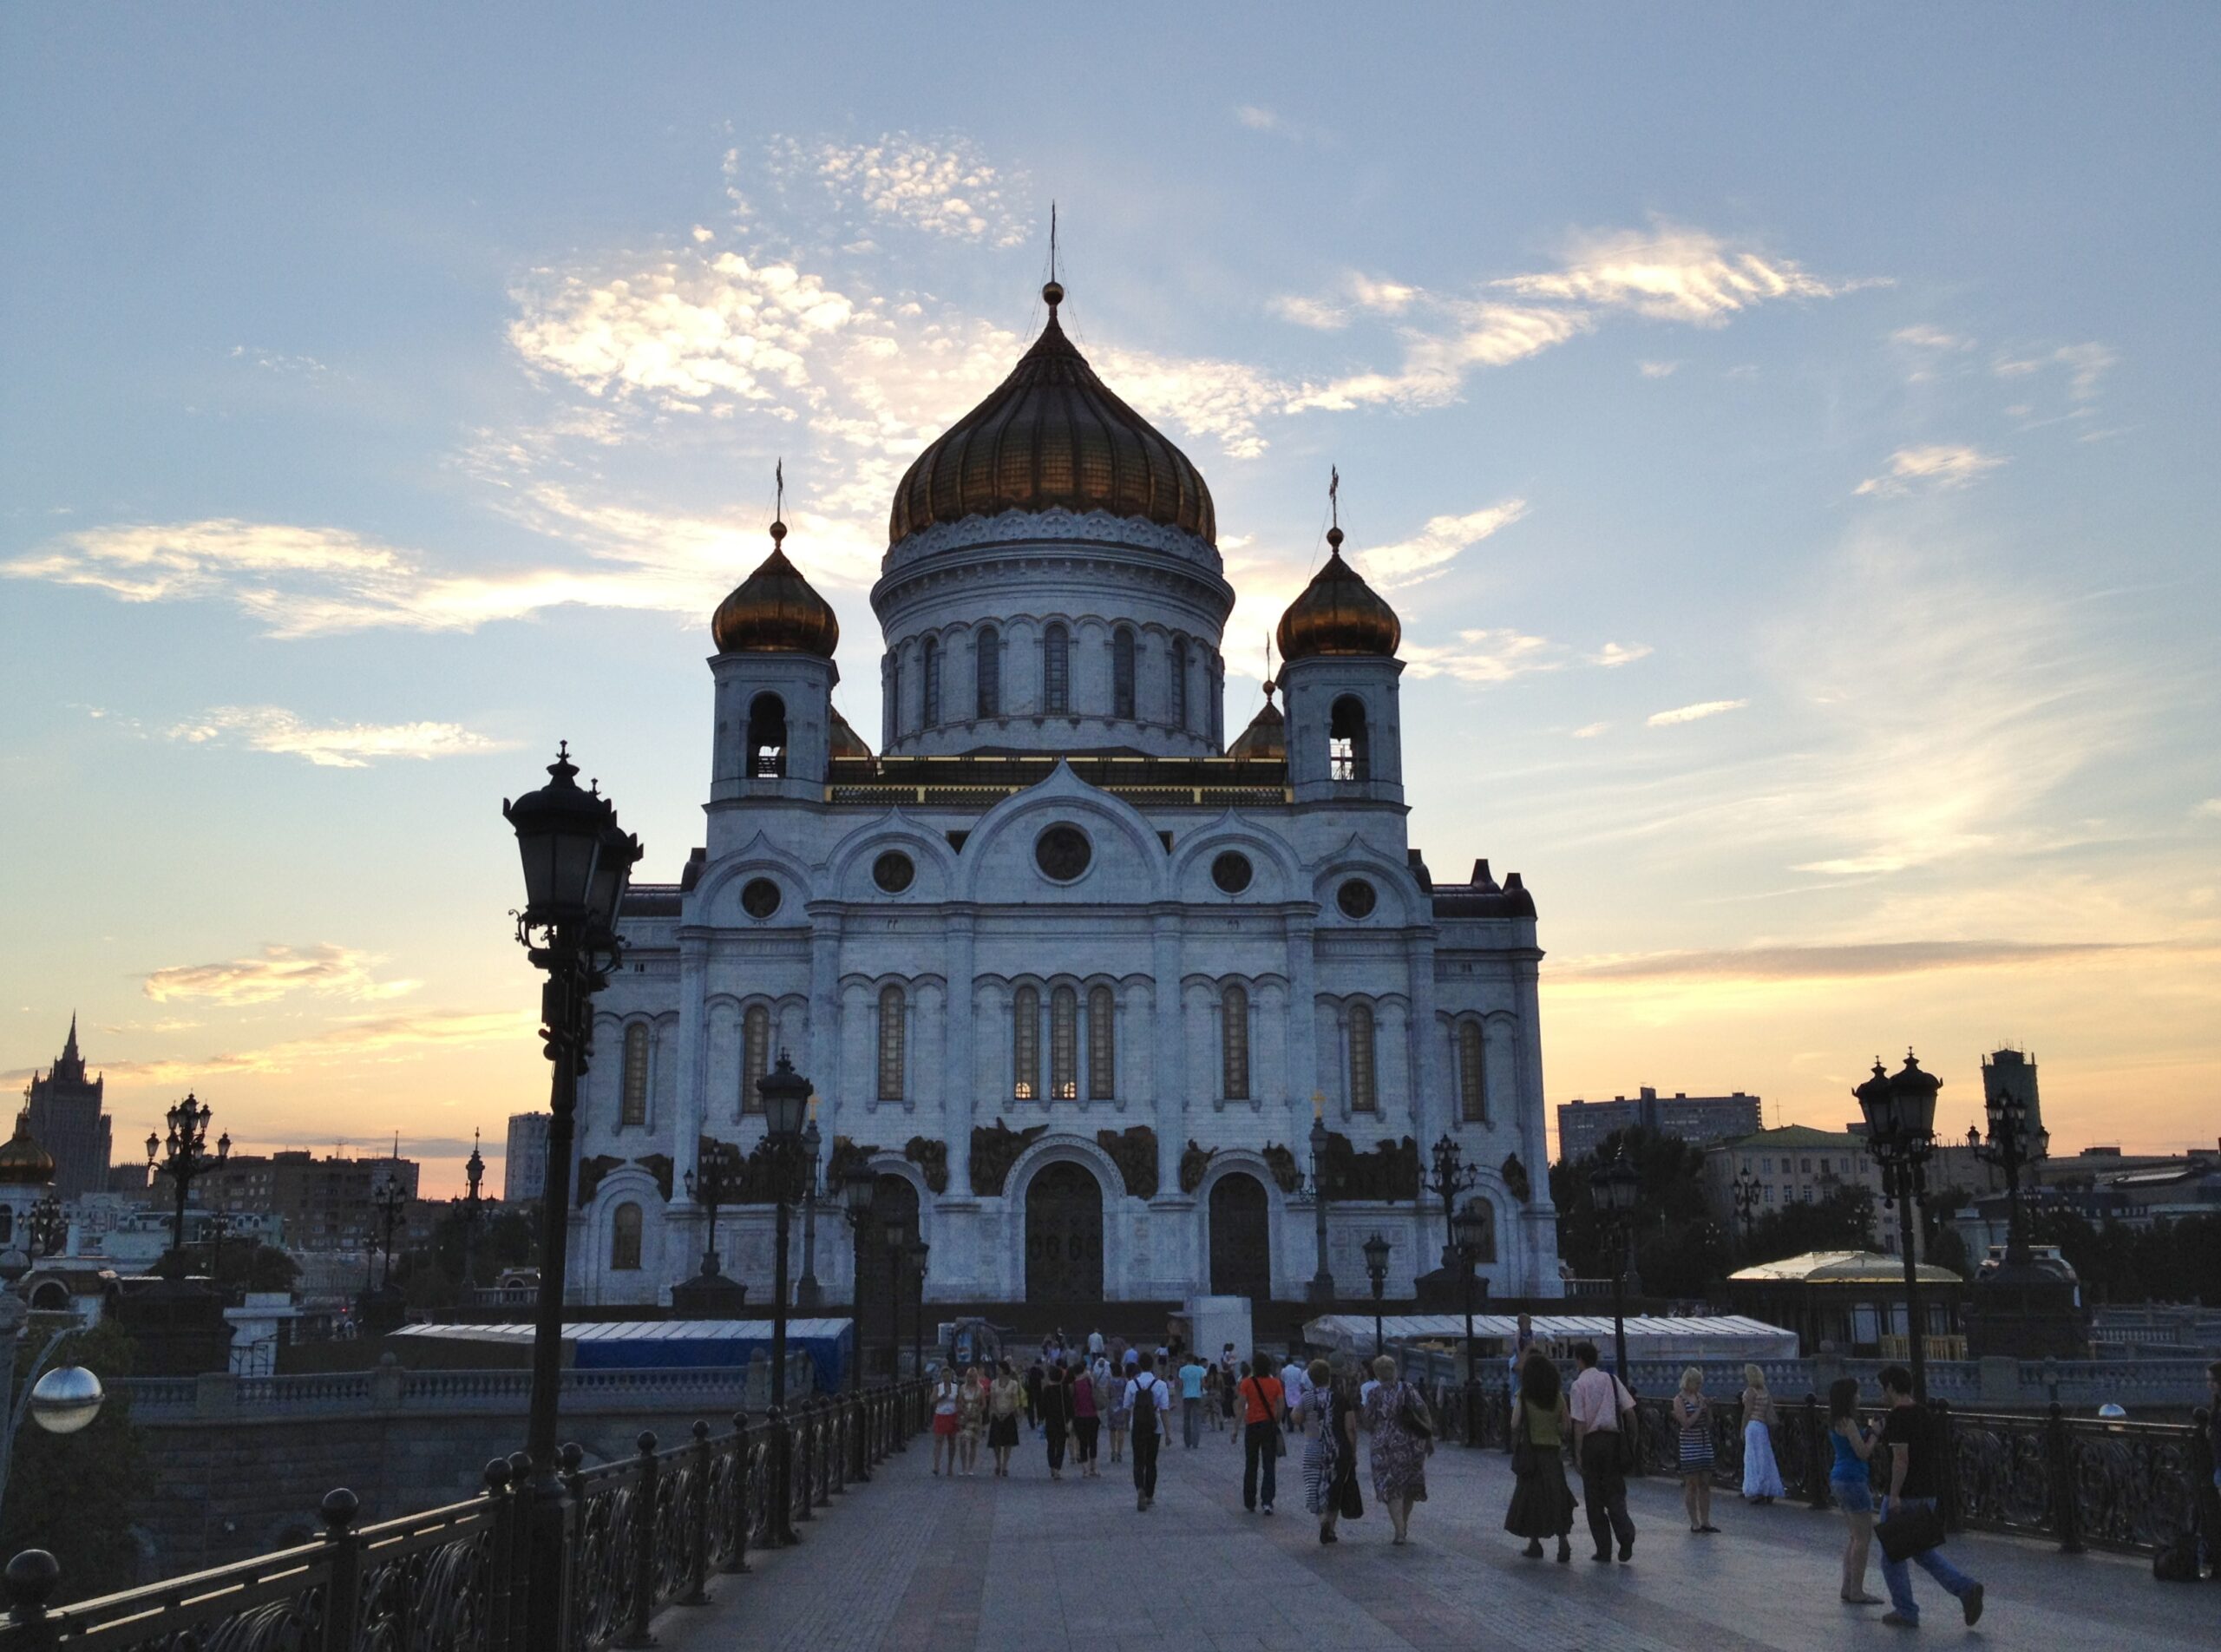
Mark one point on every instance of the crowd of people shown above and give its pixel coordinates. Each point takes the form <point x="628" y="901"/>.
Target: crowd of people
<point x="1072" y="1398"/>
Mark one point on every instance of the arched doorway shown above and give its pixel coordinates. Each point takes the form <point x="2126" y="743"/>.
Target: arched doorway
<point x="894" y="1200"/>
<point x="1241" y="1238"/>
<point x="1064" y="1235"/>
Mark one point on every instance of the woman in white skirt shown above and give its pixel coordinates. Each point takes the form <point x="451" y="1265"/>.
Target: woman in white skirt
<point x="1761" y="1476"/>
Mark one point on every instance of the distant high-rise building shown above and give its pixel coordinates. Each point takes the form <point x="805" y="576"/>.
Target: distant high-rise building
<point x="526" y="1172"/>
<point x="66" y="1117"/>
<point x="2013" y="1073"/>
<point x="1583" y="1125"/>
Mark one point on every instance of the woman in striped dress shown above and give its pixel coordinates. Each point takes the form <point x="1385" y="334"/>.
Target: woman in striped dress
<point x="1691" y="1413"/>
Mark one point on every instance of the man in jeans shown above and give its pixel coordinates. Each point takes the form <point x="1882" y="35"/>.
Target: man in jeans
<point x="1259" y="1395"/>
<point x="1149" y="1397"/>
<point x="1915" y="1443"/>
<point x="1602" y="1406"/>
<point x="1192" y="1372"/>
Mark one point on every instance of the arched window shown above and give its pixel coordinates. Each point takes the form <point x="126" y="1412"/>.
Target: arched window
<point x="932" y="682"/>
<point x="1026" y="1043"/>
<point x="1055" y="670"/>
<point x="1122" y="672"/>
<point x="1234" y="1042"/>
<point x="7" y="1223"/>
<point x="755" y="1057"/>
<point x="890" y="1043"/>
<point x="624" y="1239"/>
<point x="1179" y="683"/>
<point x="1365" y="1095"/>
<point x="1102" y="1044"/>
<point x="1472" y="1083"/>
<point x="1347" y="755"/>
<point x="1064" y="1045"/>
<point x="893" y="697"/>
<point x="766" y="737"/>
<point x="987" y="663"/>
<point x="1488" y="1228"/>
<point x="633" y="1101"/>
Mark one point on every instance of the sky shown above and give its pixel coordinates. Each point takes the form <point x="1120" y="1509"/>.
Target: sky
<point x="1786" y="434"/>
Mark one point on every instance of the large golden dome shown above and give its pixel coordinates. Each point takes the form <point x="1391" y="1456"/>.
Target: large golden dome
<point x="1338" y="613"/>
<point x="776" y="611"/>
<point x="23" y="1163"/>
<point x="1052" y="436"/>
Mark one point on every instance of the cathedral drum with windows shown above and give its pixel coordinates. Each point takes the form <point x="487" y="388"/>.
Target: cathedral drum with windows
<point x="1068" y="970"/>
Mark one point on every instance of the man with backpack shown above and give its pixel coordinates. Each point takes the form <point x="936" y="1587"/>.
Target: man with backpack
<point x="1149" y="1397"/>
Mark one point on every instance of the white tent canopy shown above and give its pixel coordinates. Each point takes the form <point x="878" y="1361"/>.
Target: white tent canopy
<point x="1723" y="1336"/>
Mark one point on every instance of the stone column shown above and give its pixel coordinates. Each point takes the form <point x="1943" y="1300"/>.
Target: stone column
<point x="825" y="1026"/>
<point x="1171" y="1050"/>
<point x="1303" y="1029"/>
<point x="957" y="1082"/>
<point x="1430" y="1112"/>
<point x="693" y="1088"/>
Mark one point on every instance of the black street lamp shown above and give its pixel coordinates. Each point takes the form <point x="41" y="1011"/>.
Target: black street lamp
<point x="1375" y="1272"/>
<point x="577" y="863"/>
<point x="218" y="1228"/>
<point x="918" y="1250"/>
<point x="184" y="1157"/>
<point x="859" y="1189"/>
<point x="2012" y="1147"/>
<point x="1614" y="1189"/>
<point x="1322" y="1282"/>
<point x="390" y="1200"/>
<point x="1746" y="1202"/>
<point x="473" y="1210"/>
<point x="1449" y="1181"/>
<point x="46" y="1230"/>
<point x="808" y="1292"/>
<point x="1900" y="1113"/>
<point x="896" y="1232"/>
<point x="1470" y="1231"/>
<point x="786" y="1096"/>
<point x="714" y="1184"/>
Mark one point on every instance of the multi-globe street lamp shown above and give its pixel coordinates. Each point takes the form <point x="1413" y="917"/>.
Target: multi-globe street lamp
<point x="46" y="1227"/>
<point x="2013" y="1146"/>
<point x="184" y="1157"/>
<point x="1614" y="1189"/>
<point x="1322" y="1282"/>
<point x="1900" y="1111"/>
<point x="808" y="1292"/>
<point x="1450" y="1179"/>
<point x="390" y="1202"/>
<point x="786" y="1096"/>
<point x="1470" y="1229"/>
<point x="1376" y="1274"/>
<point x="1746" y="1202"/>
<point x="714" y="1184"/>
<point x="577" y="864"/>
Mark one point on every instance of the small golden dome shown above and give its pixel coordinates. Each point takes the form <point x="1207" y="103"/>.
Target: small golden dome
<point x="774" y="610"/>
<point x="1267" y="735"/>
<point x="1052" y="436"/>
<point x="23" y="1163"/>
<point x="847" y="742"/>
<point x="1338" y="613"/>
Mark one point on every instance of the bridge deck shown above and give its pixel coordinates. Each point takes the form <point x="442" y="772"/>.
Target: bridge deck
<point x="913" y="1563"/>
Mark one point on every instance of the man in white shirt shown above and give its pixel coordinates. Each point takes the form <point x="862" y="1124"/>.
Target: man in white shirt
<point x="1149" y="1397"/>
<point x="1295" y="1391"/>
<point x="1601" y="1408"/>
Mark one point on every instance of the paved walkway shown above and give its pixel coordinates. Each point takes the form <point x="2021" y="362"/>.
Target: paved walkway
<point x="911" y="1563"/>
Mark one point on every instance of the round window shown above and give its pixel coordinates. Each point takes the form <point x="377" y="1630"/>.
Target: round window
<point x="1231" y="872"/>
<point x="1063" y="853"/>
<point x="892" y="871"/>
<point x="1356" y="898"/>
<point x="759" y="897"/>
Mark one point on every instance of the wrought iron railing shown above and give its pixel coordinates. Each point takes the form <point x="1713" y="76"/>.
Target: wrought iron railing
<point x="639" y="1536"/>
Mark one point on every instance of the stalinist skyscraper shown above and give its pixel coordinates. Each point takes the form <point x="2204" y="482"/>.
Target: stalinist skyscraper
<point x="67" y="1119"/>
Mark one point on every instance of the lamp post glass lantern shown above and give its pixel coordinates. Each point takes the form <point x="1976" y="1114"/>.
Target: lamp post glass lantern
<point x="1376" y="1274"/>
<point x="1322" y="1282"/>
<point x="1450" y="1178"/>
<point x="183" y="1156"/>
<point x="786" y="1099"/>
<point x="1614" y="1190"/>
<point x="1900" y="1110"/>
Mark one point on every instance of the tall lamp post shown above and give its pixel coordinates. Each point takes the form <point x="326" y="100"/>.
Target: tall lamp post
<point x="896" y="1232"/>
<point x="712" y="1184"/>
<point x="1746" y="1203"/>
<point x="1451" y="1180"/>
<point x="184" y="1157"/>
<point x="859" y="1189"/>
<point x="786" y="1095"/>
<point x="389" y="1201"/>
<point x="1900" y="1111"/>
<point x="2012" y="1147"/>
<point x="1469" y="1233"/>
<point x="1322" y="1282"/>
<point x="577" y="863"/>
<point x="1613" y="1191"/>
<point x="1376" y="1272"/>
<point x="807" y="1292"/>
<point x="48" y="1228"/>
<point x="918" y="1250"/>
<point x="474" y="1211"/>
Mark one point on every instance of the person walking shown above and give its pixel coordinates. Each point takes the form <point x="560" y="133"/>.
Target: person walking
<point x="1330" y="1462"/>
<point x="1262" y="1402"/>
<point x="1006" y="1398"/>
<point x="1917" y="1446"/>
<point x="1761" y="1474"/>
<point x="1087" y="1421"/>
<point x="1228" y="1374"/>
<point x="1402" y="1427"/>
<point x="1692" y="1412"/>
<point x="1850" y="1482"/>
<point x="1542" y="1502"/>
<point x="948" y="1399"/>
<point x="1033" y="1376"/>
<point x="1212" y="1408"/>
<point x="1603" y="1414"/>
<point x="1149" y="1401"/>
<point x="1056" y="1403"/>
<point x="1117" y="1413"/>
<point x="970" y="1418"/>
<point x="1193" y="1374"/>
<point x="1292" y="1393"/>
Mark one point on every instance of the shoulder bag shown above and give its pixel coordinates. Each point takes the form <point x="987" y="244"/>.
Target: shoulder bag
<point x="1910" y="1531"/>
<point x="1412" y="1414"/>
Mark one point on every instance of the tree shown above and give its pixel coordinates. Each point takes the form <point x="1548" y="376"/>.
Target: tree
<point x="1669" y="1219"/>
<point x="71" y="1494"/>
<point x="1842" y="1221"/>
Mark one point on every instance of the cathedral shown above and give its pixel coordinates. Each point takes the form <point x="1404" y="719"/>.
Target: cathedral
<point x="1072" y="972"/>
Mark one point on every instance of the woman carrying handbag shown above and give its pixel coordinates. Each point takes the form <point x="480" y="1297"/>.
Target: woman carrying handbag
<point x="1542" y="1502"/>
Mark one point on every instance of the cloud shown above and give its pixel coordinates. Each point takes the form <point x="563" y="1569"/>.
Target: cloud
<point x="1495" y="656"/>
<point x="1257" y="118"/>
<point x="1845" y="961"/>
<point x="1658" y="368"/>
<point x="1613" y="653"/>
<point x="1308" y="312"/>
<point x="2210" y="809"/>
<point x="1590" y="730"/>
<point x="2084" y="365"/>
<point x="1669" y="273"/>
<point x="270" y="361"/>
<point x="945" y="189"/>
<point x="383" y="1037"/>
<point x="343" y="746"/>
<point x="1926" y="337"/>
<point x="1941" y="467"/>
<point x="1468" y="335"/>
<point x="337" y="971"/>
<point x="1695" y="713"/>
<point x="1436" y="545"/>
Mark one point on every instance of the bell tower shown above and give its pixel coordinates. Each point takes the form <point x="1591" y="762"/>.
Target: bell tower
<point x="775" y="726"/>
<point x="1338" y="643"/>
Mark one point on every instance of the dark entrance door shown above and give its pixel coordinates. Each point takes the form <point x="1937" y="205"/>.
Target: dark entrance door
<point x="1242" y="1239"/>
<point x="1064" y="1235"/>
<point x="897" y="1201"/>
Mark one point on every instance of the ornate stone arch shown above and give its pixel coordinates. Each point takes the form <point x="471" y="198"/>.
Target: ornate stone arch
<point x="1062" y="793"/>
<point x="1068" y="1149"/>
<point x="757" y="857"/>
<point x="1400" y="906"/>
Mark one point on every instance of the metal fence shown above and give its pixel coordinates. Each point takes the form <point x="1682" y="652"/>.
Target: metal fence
<point x="2082" y="1482"/>
<point x="639" y="1537"/>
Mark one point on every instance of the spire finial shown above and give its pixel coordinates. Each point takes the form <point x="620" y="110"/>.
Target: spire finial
<point x="779" y="507"/>
<point x="1334" y="509"/>
<point x="1053" y="292"/>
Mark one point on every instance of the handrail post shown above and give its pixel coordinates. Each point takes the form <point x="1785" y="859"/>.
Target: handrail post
<point x="501" y="1541"/>
<point x="2059" y="1462"/>
<point x="737" y="1491"/>
<point x="516" y="1578"/>
<point x="342" y="1569"/>
<point x="569" y="1459"/>
<point x="1947" y="1426"/>
<point x="1818" y="1454"/>
<point x="31" y="1576"/>
<point x="642" y="1560"/>
<point x="698" y="1523"/>
<point x="806" y="1422"/>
